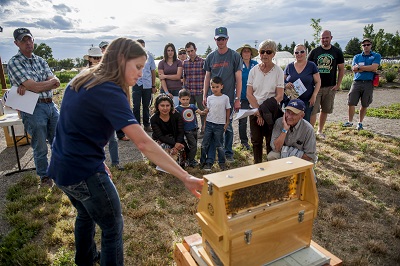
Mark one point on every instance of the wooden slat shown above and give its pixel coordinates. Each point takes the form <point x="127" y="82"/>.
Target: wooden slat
<point x="335" y="261"/>
<point x="182" y="256"/>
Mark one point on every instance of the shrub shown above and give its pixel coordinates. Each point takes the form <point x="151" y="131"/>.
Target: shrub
<point x="348" y="67"/>
<point x="390" y="75"/>
<point x="346" y="82"/>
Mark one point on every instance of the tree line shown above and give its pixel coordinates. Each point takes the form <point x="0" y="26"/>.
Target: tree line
<point x="387" y="44"/>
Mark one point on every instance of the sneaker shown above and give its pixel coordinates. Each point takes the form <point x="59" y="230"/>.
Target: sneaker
<point x="222" y="166"/>
<point x="148" y="129"/>
<point x="347" y="124"/>
<point x="46" y="181"/>
<point x="207" y="167"/>
<point x="360" y="126"/>
<point x="246" y="146"/>
<point x="119" y="167"/>
<point x="193" y="163"/>
<point x="229" y="159"/>
<point x="321" y="135"/>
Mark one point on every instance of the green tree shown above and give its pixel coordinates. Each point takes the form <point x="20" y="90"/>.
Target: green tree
<point x="208" y="51"/>
<point x="353" y="47"/>
<point x="43" y="50"/>
<point x="313" y="45"/>
<point x="307" y="45"/>
<point x="53" y="63"/>
<point x="286" y="48"/>
<point x="337" y="45"/>
<point x="317" y="29"/>
<point x="79" y="62"/>
<point x="279" y="47"/>
<point x="291" y="50"/>
<point x="66" y="63"/>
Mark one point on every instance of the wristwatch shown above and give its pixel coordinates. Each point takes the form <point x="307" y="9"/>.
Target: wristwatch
<point x="284" y="130"/>
<point x="236" y="98"/>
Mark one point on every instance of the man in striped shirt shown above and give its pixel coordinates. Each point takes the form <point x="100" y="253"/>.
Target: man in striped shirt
<point x="193" y="79"/>
<point x="28" y="71"/>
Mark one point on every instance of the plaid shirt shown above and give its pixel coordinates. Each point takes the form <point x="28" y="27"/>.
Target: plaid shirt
<point x="194" y="75"/>
<point x="21" y="68"/>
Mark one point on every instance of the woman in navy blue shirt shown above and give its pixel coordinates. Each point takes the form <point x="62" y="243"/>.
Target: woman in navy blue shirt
<point x="308" y="73"/>
<point x="93" y="107"/>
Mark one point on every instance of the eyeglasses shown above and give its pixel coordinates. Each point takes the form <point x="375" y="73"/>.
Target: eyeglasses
<point x="221" y="39"/>
<point x="95" y="57"/>
<point x="367" y="44"/>
<point x="300" y="52"/>
<point x="181" y="53"/>
<point x="266" y="51"/>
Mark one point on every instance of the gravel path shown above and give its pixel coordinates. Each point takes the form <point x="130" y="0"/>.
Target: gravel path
<point x="128" y="152"/>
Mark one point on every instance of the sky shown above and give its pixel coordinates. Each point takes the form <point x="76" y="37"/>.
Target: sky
<point x="71" y="27"/>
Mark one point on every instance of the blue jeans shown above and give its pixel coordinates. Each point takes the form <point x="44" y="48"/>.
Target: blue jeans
<point x="139" y="94"/>
<point x="308" y="111"/>
<point x="113" y="149"/>
<point x="227" y="140"/>
<point x="41" y="125"/>
<point x="97" y="202"/>
<point x="244" y="104"/>
<point x="213" y="135"/>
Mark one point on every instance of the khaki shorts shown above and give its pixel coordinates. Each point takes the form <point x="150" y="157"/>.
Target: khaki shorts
<point x="324" y="101"/>
<point x="360" y="90"/>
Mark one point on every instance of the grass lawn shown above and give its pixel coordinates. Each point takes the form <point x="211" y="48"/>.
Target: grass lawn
<point x="358" y="217"/>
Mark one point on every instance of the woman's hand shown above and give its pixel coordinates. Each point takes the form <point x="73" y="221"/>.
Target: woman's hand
<point x="260" y="120"/>
<point x="312" y="100"/>
<point x="289" y="85"/>
<point x="179" y="146"/>
<point x="194" y="185"/>
<point x="108" y="170"/>
<point x="162" y="76"/>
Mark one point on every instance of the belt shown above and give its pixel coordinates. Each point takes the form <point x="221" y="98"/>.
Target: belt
<point x="370" y="80"/>
<point x="45" y="100"/>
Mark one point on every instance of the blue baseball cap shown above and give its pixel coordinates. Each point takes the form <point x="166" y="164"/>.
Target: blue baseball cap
<point x="296" y="106"/>
<point x="221" y="32"/>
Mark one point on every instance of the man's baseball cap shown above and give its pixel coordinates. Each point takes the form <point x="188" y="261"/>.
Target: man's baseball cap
<point x="20" y="33"/>
<point x="296" y="106"/>
<point x="102" y="44"/>
<point x="221" y="32"/>
<point x="366" y="40"/>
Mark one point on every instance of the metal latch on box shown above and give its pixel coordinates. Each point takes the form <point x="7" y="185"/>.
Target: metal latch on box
<point x="210" y="188"/>
<point x="247" y="236"/>
<point x="301" y="216"/>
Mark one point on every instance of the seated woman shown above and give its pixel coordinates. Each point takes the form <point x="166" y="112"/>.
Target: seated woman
<point x="168" y="129"/>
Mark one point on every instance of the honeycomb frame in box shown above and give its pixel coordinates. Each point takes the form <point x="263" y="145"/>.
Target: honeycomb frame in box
<point x="259" y="213"/>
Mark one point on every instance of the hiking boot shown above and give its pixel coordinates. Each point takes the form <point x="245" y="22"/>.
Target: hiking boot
<point x="246" y="146"/>
<point x="321" y="135"/>
<point x="207" y="167"/>
<point x="360" y="126"/>
<point x="193" y="163"/>
<point x="46" y="181"/>
<point x="222" y="166"/>
<point x="119" y="167"/>
<point x="229" y="159"/>
<point x="347" y="124"/>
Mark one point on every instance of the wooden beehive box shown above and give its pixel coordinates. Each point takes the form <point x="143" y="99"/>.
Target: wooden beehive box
<point x="259" y="213"/>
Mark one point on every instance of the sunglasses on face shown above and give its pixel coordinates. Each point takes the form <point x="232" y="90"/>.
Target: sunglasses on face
<point x="181" y="53"/>
<point x="266" y="51"/>
<point x="367" y="44"/>
<point x="221" y="39"/>
<point x="300" y="52"/>
<point x="95" y="57"/>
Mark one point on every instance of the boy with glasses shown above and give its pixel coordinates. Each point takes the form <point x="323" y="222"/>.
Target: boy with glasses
<point x="364" y="67"/>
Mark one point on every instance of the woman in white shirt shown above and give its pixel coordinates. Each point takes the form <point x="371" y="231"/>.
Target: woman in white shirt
<point x="266" y="80"/>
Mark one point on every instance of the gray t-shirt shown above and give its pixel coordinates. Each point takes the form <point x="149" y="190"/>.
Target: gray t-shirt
<point x="225" y="66"/>
<point x="301" y="137"/>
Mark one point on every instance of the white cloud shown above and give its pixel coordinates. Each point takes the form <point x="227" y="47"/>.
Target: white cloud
<point x="70" y="27"/>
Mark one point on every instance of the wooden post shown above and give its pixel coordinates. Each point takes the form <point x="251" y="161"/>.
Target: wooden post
<point x="2" y="77"/>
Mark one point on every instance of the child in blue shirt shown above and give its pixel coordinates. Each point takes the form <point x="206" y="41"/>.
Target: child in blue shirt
<point x="188" y="112"/>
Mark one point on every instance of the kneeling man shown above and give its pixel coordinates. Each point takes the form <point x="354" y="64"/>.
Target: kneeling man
<point x="292" y="135"/>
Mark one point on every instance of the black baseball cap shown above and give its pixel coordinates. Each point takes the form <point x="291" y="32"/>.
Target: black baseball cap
<point x="20" y="33"/>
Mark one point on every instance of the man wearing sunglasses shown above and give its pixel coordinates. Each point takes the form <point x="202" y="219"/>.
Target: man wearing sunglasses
<point x="227" y="64"/>
<point x="28" y="71"/>
<point x="329" y="61"/>
<point x="364" y="67"/>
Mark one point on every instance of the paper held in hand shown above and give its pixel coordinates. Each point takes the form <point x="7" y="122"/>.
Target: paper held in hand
<point x="25" y="103"/>
<point x="298" y="90"/>
<point x="242" y="113"/>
